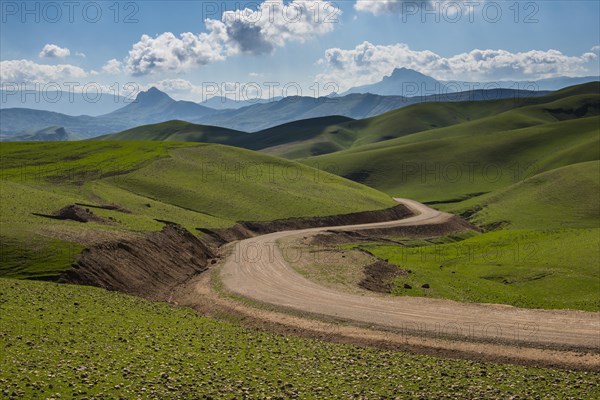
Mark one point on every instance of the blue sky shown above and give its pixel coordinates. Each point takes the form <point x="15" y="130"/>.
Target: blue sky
<point x="364" y="42"/>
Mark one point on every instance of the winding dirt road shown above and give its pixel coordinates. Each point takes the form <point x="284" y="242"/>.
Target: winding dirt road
<point x="257" y="269"/>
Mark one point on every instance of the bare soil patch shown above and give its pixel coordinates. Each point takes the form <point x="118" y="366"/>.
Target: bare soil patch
<point x="76" y="213"/>
<point x="111" y="207"/>
<point x="379" y="276"/>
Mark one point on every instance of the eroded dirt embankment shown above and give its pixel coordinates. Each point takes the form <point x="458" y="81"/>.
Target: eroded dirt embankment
<point x="151" y="266"/>
<point x="245" y="230"/>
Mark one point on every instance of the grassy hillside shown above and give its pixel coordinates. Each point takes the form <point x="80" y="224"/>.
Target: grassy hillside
<point x="524" y="268"/>
<point x="331" y="134"/>
<point x="565" y="197"/>
<point x="302" y="138"/>
<point x="293" y="140"/>
<point x="418" y="118"/>
<point x="477" y="156"/>
<point x="235" y="184"/>
<point x="178" y="131"/>
<point x="195" y="185"/>
<point x="530" y="174"/>
<point x="64" y="341"/>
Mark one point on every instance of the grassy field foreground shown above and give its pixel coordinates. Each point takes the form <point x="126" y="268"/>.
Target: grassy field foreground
<point x="62" y="341"/>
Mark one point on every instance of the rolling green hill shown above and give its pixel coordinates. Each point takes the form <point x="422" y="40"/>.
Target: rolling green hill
<point x="306" y="135"/>
<point x="327" y="135"/>
<point x="565" y="197"/>
<point x="195" y="185"/>
<point x="424" y="117"/>
<point x="479" y="155"/>
<point x="178" y="131"/>
<point x="528" y="175"/>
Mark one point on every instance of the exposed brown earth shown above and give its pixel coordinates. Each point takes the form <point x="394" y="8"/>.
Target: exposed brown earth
<point x="244" y="230"/>
<point x="76" y="213"/>
<point x="152" y="265"/>
<point x="149" y="266"/>
<point x="112" y="207"/>
<point x="379" y="276"/>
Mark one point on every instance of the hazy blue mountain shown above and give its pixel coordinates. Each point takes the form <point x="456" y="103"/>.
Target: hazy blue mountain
<point x="356" y="106"/>
<point x="63" y="102"/>
<point x="409" y="83"/>
<point x="262" y="116"/>
<point x="149" y="107"/>
<point x="402" y="82"/>
<point x="16" y="121"/>
<point x="50" y="134"/>
<point x="563" y="82"/>
<point x="154" y="106"/>
<point x="225" y="103"/>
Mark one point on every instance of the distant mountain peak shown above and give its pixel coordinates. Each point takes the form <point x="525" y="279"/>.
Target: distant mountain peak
<point x="153" y="95"/>
<point x="403" y="73"/>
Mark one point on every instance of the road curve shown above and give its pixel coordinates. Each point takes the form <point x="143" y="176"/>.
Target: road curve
<point x="257" y="269"/>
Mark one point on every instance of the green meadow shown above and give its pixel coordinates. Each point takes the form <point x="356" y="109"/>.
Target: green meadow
<point x="63" y="341"/>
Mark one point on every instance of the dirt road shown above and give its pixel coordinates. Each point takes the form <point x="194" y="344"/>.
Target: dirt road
<point x="257" y="269"/>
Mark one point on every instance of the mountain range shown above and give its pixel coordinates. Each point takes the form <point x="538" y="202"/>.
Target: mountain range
<point x="154" y="106"/>
<point x="70" y="103"/>
<point x="407" y="82"/>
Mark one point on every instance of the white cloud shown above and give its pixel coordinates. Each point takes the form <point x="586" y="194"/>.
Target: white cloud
<point x="112" y="67"/>
<point x="54" y="51"/>
<point x="258" y="31"/>
<point x="368" y="63"/>
<point x="595" y="49"/>
<point x="26" y="71"/>
<point x="378" y="7"/>
<point x="179" y="86"/>
<point x="79" y="54"/>
<point x="275" y="23"/>
<point x="168" y="52"/>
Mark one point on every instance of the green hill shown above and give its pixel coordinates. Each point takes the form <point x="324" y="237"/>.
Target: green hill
<point x="308" y="134"/>
<point x="529" y="175"/>
<point x="327" y="135"/>
<point x="299" y="139"/>
<point x="177" y="131"/>
<point x="479" y="155"/>
<point x="565" y="197"/>
<point x="195" y="185"/>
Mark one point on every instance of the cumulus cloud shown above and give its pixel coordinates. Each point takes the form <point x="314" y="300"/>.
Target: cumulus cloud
<point x="274" y="23"/>
<point x="368" y="63"/>
<point x="54" y="51"/>
<point x="177" y="86"/>
<point x="26" y="71"/>
<point x="168" y="52"/>
<point x="112" y="67"/>
<point x="378" y="7"/>
<point x="250" y="31"/>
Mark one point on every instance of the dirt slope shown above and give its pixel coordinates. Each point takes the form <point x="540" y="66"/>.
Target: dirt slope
<point x="149" y="266"/>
